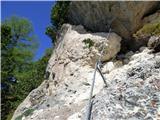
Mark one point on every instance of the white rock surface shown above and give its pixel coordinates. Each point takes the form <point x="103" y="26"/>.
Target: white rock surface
<point x="108" y="67"/>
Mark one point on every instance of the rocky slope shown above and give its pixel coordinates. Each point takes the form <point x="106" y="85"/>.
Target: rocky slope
<point x="133" y="77"/>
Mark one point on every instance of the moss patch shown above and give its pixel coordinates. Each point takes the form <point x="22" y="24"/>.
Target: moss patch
<point x="148" y="30"/>
<point x="26" y="113"/>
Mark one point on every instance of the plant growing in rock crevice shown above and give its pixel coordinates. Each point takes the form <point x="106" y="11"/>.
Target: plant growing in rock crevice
<point x="88" y="42"/>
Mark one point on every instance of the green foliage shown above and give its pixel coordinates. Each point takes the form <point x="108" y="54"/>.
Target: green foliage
<point x="148" y="30"/>
<point x="6" y="67"/>
<point x="23" y="40"/>
<point x="88" y="42"/>
<point x="59" y="13"/>
<point x="58" y="17"/>
<point x="51" y="32"/>
<point x="26" y="113"/>
<point x="30" y="78"/>
<point x="6" y="49"/>
<point x="5" y="36"/>
<point x="18" y="45"/>
<point x="21" y="27"/>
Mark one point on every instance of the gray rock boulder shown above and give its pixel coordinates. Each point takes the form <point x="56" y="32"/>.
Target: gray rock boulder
<point x="154" y="43"/>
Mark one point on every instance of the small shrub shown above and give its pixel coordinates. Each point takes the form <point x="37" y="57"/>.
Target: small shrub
<point x="88" y="42"/>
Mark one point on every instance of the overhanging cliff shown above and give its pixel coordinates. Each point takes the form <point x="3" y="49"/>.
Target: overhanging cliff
<point x="125" y="18"/>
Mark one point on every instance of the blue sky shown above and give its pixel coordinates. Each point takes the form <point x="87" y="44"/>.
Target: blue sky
<point x="37" y="12"/>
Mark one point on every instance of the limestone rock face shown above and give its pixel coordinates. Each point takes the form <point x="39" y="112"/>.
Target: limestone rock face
<point x="70" y="72"/>
<point x="126" y="17"/>
<point x="134" y="91"/>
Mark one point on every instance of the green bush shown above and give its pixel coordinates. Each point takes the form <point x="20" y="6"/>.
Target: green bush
<point x="58" y="17"/>
<point x="88" y="42"/>
<point x="59" y="13"/>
